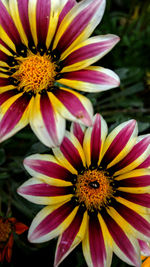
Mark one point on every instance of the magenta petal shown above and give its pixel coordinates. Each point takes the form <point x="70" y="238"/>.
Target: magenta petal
<point x="139" y="181"/>
<point x="96" y="241"/>
<point x="68" y="6"/>
<point x="96" y="135"/>
<point x="136" y="152"/>
<point x="119" y="142"/>
<point x="78" y="132"/>
<point x="71" y="153"/>
<point x="74" y="105"/>
<point x="52" y="221"/>
<point x="121" y="239"/>
<point x="140" y="199"/>
<point x="132" y="217"/>
<point x="23" y="12"/>
<point x="145" y="248"/>
<point x="78" y="25"/>
<point x="48" y="168"/>
<point x="45" y="190"/>
<point x="145" y="163"/>
<point x="42" y="18"/>
<point x="68" y="237"/>
<point x="13" y="114"/>
<point x="49" y="117"/>
<point x="8" y="25"/>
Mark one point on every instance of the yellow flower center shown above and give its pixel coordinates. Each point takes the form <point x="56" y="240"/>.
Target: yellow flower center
<point x="93" y="189"/>
<point x="5" y="230"/>
<point x="35" y="73"/>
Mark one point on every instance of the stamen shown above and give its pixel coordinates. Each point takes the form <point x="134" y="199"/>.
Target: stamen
<point x="5" y="229"/>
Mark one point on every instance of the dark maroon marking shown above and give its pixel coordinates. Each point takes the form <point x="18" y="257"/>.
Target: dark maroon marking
<point x="8" y="25"/>
<point x="120" y="238"/>
<point x="136" y="152"/>
<point x="140" y="199"/>
<point x="13" y="114"/>
<point x="48" y="168"/>
<point x="71" y="153"/>
<point x="53" y="220"/>
<point x="75" y="28"/>
<point x="78" y="133"/>
<point x="45" y="190"/>
<point x="96" y="242"/>
<point x="69" y="236"/>
<point x="42" y="19"/>
<point x="23" y="12"/>
<point x="139" y="181"/>
<point x="6" y="95"/>
<point x="96" y="141"/>
<point x="132" y="217"/>
<point x="49" y="117"/>
<point x="119" y="143"/>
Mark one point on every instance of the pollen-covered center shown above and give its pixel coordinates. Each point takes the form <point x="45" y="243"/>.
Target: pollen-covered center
<point x="35" y="73"/>
<point x="5" y="229"/>
<point x="93" y="189"/>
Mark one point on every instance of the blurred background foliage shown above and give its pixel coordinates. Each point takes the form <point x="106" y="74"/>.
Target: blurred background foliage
<point x="130" y="19"/>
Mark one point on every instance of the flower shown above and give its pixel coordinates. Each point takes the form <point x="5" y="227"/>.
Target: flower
<point x="96" y="191"/>
<point x="44" y="48"/>
<point x="145" y="251"/>
<point x="7" y="228"/>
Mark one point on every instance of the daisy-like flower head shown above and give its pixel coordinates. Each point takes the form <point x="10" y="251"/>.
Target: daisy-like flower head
<point x="96" y="191"/>
<point x="7" y="228"/>
<point x="44" y="46"/>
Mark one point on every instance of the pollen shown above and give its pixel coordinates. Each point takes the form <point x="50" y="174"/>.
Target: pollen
<point x="5" y="230"/>
<point x="35" y="73"/>
<point x="93" y="189"/>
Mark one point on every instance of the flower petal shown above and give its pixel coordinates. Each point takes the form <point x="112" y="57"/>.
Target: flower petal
<point x="125" y="245"/>
<point x="138" y="154"/>
<point x="14" y="115"/>
<point x="94" y="245"/>
<point x="47" y="168"/>
<point x="91" y="79"/>
<point x="119" y="143"/>
<point x="73" y="106"/>
<point x="70" y="152"/>
<point x="39" y="192"/>
<point x="46" y="122"/>
<point x="20" y="228"/>
<point x="78" y="24"/>
<point x="78" y="131"/>
<point x="71" y="237"/>
<point x="89" y="51"/>
<point x="51" y="222"/>
<point x="66" y="7"/>
<point x="91" y="148"/>
<point x="144" y="247"/>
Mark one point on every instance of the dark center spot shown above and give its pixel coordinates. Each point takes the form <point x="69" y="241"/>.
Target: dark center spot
<point x="94" y="184"/>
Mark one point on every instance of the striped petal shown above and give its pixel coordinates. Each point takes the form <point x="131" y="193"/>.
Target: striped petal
<point x="136" y="181"/>
<point x="67" y="5"/>
<point x="144" y="247"/>
<point x="91" y="79"/>
<point x="89" y="51"/>
<point x="39" y="192"/>
<point x="46" y="122"/>
<point x="94" y="245"/>
<point x="145" y="163"/>
<point x="78" y="24"/>
<point x="119" y="143"/>
<point x="78" y="130"/>
<point x="47" y="168"/>
<point x="14" y="114"/>
<point x="71" y="237"/>
<point x="138" y="154"/>
<point x="125" y="246"/>
<point x="51" y="222"/>
<point x="70" y="152"/>
<point x="8" y="26"/>
<point x="72" y="106"/>
<point x="92" y="149"/>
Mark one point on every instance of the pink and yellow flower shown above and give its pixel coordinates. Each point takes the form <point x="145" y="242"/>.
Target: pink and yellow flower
<point x="44" y="47"/>
<point x="96" y="191"/>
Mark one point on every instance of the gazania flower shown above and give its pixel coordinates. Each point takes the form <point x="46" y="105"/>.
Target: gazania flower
<point x="45" y="46"/>
<point x="96" y="191"/>
<point x="7" y="228"/>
